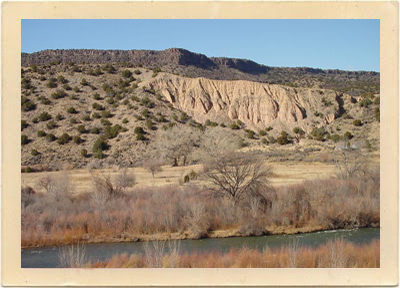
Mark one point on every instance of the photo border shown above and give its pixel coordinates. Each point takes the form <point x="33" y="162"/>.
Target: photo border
<point x="13" y="274"/>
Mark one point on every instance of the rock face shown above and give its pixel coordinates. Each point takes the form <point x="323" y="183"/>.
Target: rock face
<point x="256" y="104"/>
<point x="187" y="63"/>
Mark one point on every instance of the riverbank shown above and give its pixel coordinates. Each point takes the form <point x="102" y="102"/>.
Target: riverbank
<point x="188" y="212"/>
<point x="187" y="236"/>
<point x="334" y="254"/>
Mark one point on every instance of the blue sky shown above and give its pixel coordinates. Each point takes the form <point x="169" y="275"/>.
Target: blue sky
<point x="327" y="44"/>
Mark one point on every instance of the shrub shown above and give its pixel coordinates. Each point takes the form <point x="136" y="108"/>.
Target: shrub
<point x="44" y="100"/>
<point x="318" y="133"/>
<point x="76" y="89"/>
<point x="378" y="114"/>
<point x="100" y="145"/>
<point x="112" y="131"/>
<point x="298" y="130"/>
<point x="42" y="78"/>
<point x="109" y="68"/>
<point x="347" y="135"/>
<point x="72" y="110"/>
<point x="262" y="132"/>
<point x="271" y="139"/>
<point x="283" y="139"/>
<point x="77" y="140"/>
<point x="82" y="129"/>
<point x="106" y="114"/>
<point x="59" y="117"/>
<point x="51" y="125"/>
<point x="35" y="120"/>
<point x="67" y="87"/>
<point x="140" y="137"/>
<point x="234" y="126"/>
<point x="95" y="130"/>
<point x="33" y="67"/>
<point x="138" y="130"/>
<point x="145" y="113"/>
<point x="34" y="152"/>
<point x="28" y="169"/>
<point x="126" y="73"/>
<point x="44" y="116"/>
<point x="250" y="133"/>
<point x="137" y="72"/>
<point x="59" y="94"/>
<point x="335" y="138"/>
<point x="24" y="139"/>
<point x="110" y="101"/>
<point x="52" y="83"/>
<point x="50" y="137"/>
<point x="96" y="96"/>
<point x="149" y="124"/>
<point x="125" y="120"/>
<point x="357" y="122"/>
<point x="41" y="133"/>
<point x="86" y="118"/>
<point x="84" y="82"/>
<point x="24" y="124"/>
<point x="377" y="100"/>
<point x="96" y="115"/>
<point x="73" y="121"/>
<point x="27" y="105"/>
<point x="105" y="122"/>
<point x="365" y="102"/>
<point x="264" y="141"/>
<point x="62" y="79"/>
<point x="84" y="153"/>
<point x="64" y="139"/>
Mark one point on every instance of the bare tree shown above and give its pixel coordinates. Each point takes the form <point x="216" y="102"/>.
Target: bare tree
<point x="175" y="144"/>
<point x="217" y="142"/>
<point x="236" y="175"/>
<point x="153" y="166"/>
<point x="58" y="186"/>
<point x="350" y="163"/>
<point x="125" y="179"/>
<point x="104" y="189"/>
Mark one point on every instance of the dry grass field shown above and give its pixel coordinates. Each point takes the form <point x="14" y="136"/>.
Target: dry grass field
<point x="284" y="173"/>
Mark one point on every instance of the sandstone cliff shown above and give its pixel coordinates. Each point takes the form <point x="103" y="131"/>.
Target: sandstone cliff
<point x="258" y="105"/>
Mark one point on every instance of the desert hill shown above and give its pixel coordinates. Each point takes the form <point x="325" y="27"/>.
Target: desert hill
<point x="189" y="64"/>
<point x="80" y="113"/>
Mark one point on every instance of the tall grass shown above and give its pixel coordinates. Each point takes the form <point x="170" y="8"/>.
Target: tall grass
<point x="188" y="212"/>
<point x="334" y="254"/>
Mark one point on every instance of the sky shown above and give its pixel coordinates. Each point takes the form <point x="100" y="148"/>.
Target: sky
<point x="327" y="44"/>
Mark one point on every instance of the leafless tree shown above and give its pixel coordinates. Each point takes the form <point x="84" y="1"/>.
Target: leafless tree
<point x="58" y="186"/>
<point x="237" y="174"/>
<point x="125" y="179"/>
<point x="350" y="163"/>
<point x="153" y="166"/>
<point x="217" y="142"/>
<point x="175" y="144"/>
<point x="105" y="189"/>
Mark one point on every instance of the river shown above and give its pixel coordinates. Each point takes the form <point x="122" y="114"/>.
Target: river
<point x="47" y="257"/>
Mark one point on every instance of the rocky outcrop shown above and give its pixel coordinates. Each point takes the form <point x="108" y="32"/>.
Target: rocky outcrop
<point x="256" y="104"/>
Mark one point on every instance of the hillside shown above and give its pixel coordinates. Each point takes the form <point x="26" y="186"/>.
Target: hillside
<point x="89" y="101"/>
<point x="189" y="64"/>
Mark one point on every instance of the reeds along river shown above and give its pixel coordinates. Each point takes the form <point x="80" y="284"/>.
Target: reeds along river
<point x="48" y="257"/>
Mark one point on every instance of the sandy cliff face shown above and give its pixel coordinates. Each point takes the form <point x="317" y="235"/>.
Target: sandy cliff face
<point x="256" y="104"/>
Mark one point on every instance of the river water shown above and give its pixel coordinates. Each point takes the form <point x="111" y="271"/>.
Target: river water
<point x="47" y="257"/>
